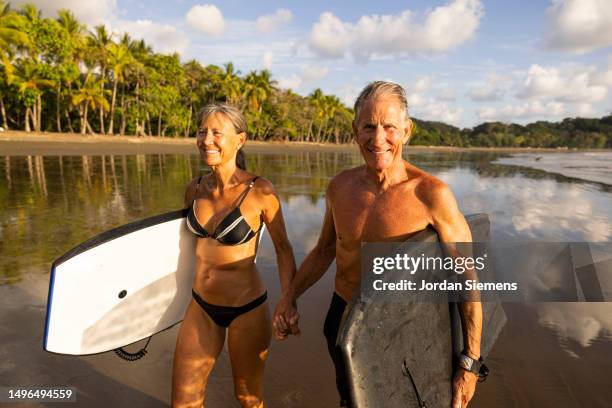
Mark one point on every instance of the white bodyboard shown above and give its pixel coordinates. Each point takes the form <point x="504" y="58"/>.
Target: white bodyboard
<point x="121" y="286"/>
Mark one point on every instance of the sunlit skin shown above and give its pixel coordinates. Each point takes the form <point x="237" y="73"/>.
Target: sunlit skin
<point x="387" y="199"/>
<point x="226" y="275"/>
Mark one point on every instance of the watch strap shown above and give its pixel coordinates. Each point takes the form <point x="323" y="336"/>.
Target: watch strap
<point x="477" y="367"/>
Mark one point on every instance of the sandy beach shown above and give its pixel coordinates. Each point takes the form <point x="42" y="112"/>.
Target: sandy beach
<point x="18" y="143"/>
<point x="54" y="144"/>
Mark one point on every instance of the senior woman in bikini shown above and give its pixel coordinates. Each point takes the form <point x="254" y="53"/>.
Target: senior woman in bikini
<point x="227" y="209"/>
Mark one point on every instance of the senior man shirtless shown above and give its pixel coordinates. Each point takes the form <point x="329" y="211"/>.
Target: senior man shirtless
<point x="387" y="199"/>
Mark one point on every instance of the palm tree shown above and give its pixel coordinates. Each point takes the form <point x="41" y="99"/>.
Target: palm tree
<point x="266" y="81"/>
<point x="258" y="88"/>
<point x="330" y="106"/>
<point x="10" y="33"/>
<point x="5" y="82"/>
<point x="254" y="94"/>
<point x="141" y="52"/>
<point x="98" y="42"/>
<point x="211" y="87"/>
<point x="119" y="59"/>
<point x="317" y="101"/>
<point x="69" y="66"/>
<point x="231" y="84"/>
<point x="90" y="94"/>
<point x="333" y="114"/>
<point x="30" y="82"/>
<point x="194" y="78"/>
<point x="11" y="37"/>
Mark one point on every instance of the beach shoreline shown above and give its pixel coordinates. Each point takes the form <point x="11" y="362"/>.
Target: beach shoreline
<point x="20" y="143"/>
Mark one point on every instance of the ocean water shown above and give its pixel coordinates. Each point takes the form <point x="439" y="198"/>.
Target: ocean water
<point x="589" y="166"/>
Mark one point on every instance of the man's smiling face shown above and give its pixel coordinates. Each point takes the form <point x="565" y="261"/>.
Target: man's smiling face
<point x="381" y="129"/>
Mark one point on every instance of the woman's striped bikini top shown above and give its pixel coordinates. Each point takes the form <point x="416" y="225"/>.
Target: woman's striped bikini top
<point x="232" y="230"/>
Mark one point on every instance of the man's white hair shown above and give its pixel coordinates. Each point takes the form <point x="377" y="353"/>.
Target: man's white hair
<point x="379" y="88"/>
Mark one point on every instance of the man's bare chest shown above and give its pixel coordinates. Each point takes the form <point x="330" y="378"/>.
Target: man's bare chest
<point x="372" y="218"/>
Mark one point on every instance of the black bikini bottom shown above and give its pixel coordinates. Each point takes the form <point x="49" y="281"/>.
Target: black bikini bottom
<point x="224" y="315"/>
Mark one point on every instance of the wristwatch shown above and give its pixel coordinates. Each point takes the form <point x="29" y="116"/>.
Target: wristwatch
<point x="473" y="366"/>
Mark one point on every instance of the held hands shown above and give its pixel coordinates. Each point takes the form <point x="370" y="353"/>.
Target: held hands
<point x="464" y="386"/>
<point x="285" y="319"/>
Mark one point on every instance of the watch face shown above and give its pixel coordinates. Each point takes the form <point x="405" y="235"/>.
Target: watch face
<point x="465" y="362"/>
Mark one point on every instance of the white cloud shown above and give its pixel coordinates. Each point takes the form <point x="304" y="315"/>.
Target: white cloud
<point x="267" y="59"/>
<point x="329" y="36"/>
<point x="568" y="84"/>
<point x="492" y="88"/>
<point x="427" y="108"/>
<point x="527" y="110"/>
<point x="579" y="25"/>
<point x="422" y="105"/>
<point x="271" y="22"/>
<point x="484" y="93"/>
<point x="421" y="85"/>
<point x="604" y="78"/>
<point x="446" y="94"/>
<point x="164" y="38"/>
<point x="443" y="28"/>
<point x="241" y="38"/>
<point x="291" y="82"/>
<point x="91" y="12"/>
<point x="206" y="18"/>
<point x="584" y="109"/>
<point x="549" y="93"/>
<point x="348" y="94"/>
<point x="308" y="73"/>
<point x="313" y="73"/>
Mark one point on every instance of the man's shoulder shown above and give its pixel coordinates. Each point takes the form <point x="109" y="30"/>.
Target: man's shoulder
<point x="430" y="188"/>
<point x="345" y="178"/>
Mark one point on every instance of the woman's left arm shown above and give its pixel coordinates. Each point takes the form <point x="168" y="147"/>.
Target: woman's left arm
<point x="273" y="218"/>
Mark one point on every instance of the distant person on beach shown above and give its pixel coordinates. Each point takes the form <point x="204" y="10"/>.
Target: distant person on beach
<point x="387" y="199"/>
<point x="227" y="209"/>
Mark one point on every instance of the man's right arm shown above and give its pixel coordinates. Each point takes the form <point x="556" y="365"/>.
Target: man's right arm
<point x="310" y="271"/>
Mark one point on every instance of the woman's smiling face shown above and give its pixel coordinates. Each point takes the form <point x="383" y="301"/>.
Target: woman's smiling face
<point x="218" y="141"/>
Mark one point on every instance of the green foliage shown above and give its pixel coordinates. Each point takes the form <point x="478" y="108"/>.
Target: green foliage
<point x="54" y="75"/>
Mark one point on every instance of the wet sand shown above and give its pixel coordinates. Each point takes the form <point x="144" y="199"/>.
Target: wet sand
<point x="298" y="371"/>
<point x="17" y="143"/>
<point x="54" y="144"/>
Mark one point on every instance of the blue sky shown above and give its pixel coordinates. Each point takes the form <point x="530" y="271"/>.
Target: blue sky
<point x="462" y="61"/>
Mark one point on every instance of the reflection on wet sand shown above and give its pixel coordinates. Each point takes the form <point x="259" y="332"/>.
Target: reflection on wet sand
<point x="581" y="322"/>
<point x="51" y="204"/>
<point x="523" y="208"/>
<point x="86" y="170"/>
<point x="7" y="170"/>
<point x="30" y="171"/>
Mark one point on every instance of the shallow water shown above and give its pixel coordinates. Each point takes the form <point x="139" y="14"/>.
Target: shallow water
<point x="548" y="354"/>
<point x="589" y="166"/>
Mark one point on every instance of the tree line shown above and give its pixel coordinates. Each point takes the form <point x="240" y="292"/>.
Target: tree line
<point x="57" y="76"/>
<point x="570" y="132"/>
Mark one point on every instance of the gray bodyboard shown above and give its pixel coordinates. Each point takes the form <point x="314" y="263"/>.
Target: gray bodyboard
<point x="399" y="352"/>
